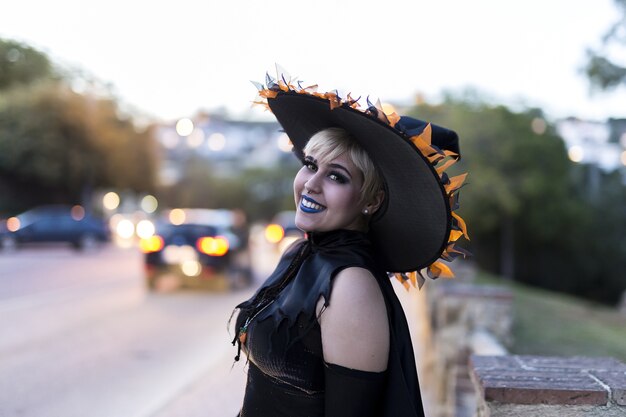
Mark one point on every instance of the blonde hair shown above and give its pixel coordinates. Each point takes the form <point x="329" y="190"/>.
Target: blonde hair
<point x="333" y="142"/>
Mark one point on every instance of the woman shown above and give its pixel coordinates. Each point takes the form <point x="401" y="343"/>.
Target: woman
<point x="325" y="335"/>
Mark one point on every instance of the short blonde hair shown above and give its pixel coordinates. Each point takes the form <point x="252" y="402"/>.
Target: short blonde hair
<point x="333" y="142"/>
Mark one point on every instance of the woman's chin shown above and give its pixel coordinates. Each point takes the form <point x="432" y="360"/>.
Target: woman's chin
<point x="303" y="225"/>
<point x="304" y="222"/>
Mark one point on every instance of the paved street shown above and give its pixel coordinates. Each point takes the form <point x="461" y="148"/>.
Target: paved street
<point x="218" y="393"/>
<point x="80" y="336"/>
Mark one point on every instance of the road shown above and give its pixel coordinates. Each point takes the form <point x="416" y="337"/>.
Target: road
<point x="80" y="336"/>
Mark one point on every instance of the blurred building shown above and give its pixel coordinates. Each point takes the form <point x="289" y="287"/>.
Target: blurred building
<point x="602" y="144"/>
<point x="229" y="145"/>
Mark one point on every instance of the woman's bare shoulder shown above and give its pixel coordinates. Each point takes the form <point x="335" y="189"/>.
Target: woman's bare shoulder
<point x="355" y="328"/>
<point x="356" y="286"/>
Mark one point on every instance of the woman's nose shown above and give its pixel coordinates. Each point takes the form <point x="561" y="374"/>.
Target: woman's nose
<point x="312" y="185"/>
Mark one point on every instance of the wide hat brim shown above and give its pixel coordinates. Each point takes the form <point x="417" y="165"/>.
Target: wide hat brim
<point x="412" y="228"/>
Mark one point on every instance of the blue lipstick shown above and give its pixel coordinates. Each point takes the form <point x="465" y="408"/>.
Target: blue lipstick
<point x="309" y="205"/>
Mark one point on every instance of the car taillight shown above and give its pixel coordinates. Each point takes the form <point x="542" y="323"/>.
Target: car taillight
<point x="214" y="246"/>
<point x="151" y="244"/>
<point x="274" y="233"/>
<point x="13" y="224"/>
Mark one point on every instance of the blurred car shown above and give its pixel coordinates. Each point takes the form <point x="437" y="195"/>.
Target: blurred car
<point x="197" y="247"/>
<point x="282" y="231"/>
<point x="54" y="224"/>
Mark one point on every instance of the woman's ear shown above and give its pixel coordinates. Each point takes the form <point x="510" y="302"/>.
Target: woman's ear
<point x="376" y="202"/>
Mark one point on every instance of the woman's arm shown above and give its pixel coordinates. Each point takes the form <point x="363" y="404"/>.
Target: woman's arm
<point x="355" y="328"/>
<point x="355" y="342"/>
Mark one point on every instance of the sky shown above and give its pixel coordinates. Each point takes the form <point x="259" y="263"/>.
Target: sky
<point x="170" y="59"/>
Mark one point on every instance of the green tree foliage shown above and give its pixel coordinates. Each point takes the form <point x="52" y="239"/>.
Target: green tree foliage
<point x="528" y="207"/>
<point x="602" y="70"/>
<point x="56" y="145"/>
<point x="21" y="65"/>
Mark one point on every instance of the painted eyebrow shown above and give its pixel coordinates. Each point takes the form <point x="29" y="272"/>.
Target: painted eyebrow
<point x="333" y="165"/>
<point x="339" y="166"/>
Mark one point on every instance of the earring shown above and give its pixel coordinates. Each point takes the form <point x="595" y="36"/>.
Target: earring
<point x="366" y="211"/>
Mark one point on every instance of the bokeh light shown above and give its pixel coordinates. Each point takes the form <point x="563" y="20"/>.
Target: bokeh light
<point x="170" y="140"/>
<point x="184" y="127"/>
<point x="195" y="138"/>
<point x="151" y="244"/>
<point x="149" y="204"/>
<point x="213" y="246"/>
<point x="575" y="153"/>
<point x="111" y="201"/>
<point x="125" y="229"/>
<point x="173" y="254"/>
<point x="177" y="216"/>
<point x="622" y="158"/>
<point x="145" y="229"/>
<point x="538" y="125"/>
<point x="216" y="142"/>
<point x="274" y="233"/>
<point x="77" y="212"/>
<point x="284" y="143"/>
<point x="191" y="268"/>
<point x="13" y="224"/>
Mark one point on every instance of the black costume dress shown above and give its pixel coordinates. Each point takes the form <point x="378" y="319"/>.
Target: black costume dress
<point x="287" y="375"/>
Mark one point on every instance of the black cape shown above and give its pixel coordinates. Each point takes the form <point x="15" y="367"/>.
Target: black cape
<point x="319" y="259"/>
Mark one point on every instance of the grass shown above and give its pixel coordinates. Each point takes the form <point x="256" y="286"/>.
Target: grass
<point x="548" y="323"/>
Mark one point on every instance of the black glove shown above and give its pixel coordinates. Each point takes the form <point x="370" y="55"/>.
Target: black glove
<point x="353" y="393"/>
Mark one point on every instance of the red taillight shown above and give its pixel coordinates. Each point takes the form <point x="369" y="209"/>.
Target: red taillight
<point x="213" y="246"/>
<point x="151" y="244"/>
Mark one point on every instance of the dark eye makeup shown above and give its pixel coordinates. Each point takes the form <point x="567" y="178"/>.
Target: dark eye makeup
<point x="333" y="174"/>
<point x="310" y="163"/>
<point x="340" y="178"/>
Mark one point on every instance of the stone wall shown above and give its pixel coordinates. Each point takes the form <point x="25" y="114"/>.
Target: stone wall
<point x="471" y="374"/>
<point x="512" y="386"/>
<point x="465" y="319"/>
